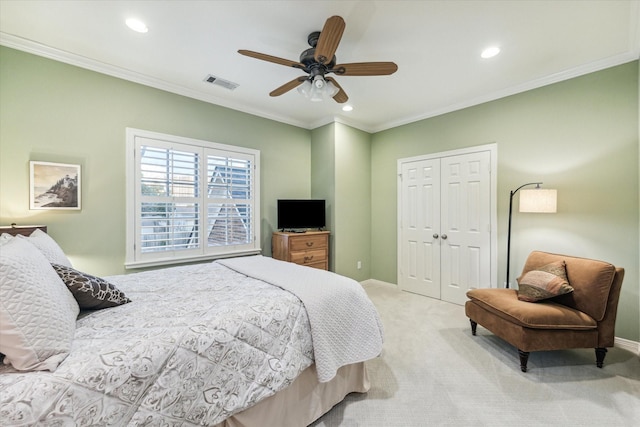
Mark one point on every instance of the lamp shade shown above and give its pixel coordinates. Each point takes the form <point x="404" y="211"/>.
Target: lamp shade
<point x="538" y="200"/>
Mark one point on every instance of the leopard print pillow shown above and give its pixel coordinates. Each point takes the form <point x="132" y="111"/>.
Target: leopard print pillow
<point x="91" y="292"/>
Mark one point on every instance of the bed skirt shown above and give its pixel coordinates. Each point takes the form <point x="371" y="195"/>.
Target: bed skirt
<point x="304" y="401"/>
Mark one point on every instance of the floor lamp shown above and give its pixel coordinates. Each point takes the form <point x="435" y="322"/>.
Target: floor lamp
<point x="533" y="200"/>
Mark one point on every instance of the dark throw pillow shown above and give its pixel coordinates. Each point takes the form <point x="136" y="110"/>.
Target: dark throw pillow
<point x="544" y="282"/>
<point x="91" y="292"/>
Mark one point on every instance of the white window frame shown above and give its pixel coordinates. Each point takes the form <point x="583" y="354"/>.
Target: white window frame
<point x="134" y="257"/>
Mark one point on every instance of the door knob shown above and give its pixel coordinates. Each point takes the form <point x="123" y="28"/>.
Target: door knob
<point x="444" y="237"/>
<point x="435" y="235"/>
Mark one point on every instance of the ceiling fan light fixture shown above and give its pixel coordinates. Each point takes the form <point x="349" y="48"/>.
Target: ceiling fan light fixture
<point x="330" y="90"/>
<point x="318" y="82"/>
<point x="319" y="90"/>
<point x="305" y="89"/>
<point x="316" y="94"/>
<point x="310" y="91"/>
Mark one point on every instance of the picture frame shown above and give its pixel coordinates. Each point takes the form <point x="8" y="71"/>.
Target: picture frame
<point x="54" y="186"/>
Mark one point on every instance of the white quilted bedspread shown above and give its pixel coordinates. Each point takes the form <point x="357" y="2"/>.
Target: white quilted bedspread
<point x="345" y="325"/>
<point x="196" y="345"/>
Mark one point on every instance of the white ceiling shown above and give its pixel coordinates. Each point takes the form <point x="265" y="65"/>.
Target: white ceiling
<point x="436" y="45"/>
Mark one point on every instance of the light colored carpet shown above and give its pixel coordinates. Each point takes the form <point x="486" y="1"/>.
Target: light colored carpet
<point x="433" y="372"/>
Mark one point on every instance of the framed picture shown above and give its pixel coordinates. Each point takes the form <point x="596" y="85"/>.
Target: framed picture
<point x="54" y="186"/>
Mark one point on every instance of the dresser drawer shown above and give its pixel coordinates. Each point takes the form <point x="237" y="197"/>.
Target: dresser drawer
<point x="309" y="257"/>
<point x="305" y="243"/>
<point x="310" y="249"/>
<point x="321" y="265"/>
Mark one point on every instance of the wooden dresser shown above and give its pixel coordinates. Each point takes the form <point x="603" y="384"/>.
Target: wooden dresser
<point x="310" y="248"/>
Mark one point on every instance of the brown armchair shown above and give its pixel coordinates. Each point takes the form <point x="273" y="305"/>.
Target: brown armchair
<point x="584" y="318"/>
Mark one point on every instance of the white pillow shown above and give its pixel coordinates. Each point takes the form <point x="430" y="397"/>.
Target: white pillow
<point x="37" y="311"/>
<point x="48" y="247"/>
<point x="4" y="238"/>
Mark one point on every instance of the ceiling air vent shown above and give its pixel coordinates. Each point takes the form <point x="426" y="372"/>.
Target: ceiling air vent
<point x="221" y="82"/>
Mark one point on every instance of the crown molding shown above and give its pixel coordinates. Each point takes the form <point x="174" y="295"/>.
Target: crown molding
<point x="38" y="49"/>
<point x="35" y="48"/>
<point x="513" y="90"/>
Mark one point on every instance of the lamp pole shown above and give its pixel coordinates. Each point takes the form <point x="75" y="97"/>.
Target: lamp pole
<point x="513" y="193"/>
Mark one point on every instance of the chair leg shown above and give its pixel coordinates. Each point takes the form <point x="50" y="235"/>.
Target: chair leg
<point x="474" y="325"/>
<point x="524" y="358"/>
<point x="600" y="354"/>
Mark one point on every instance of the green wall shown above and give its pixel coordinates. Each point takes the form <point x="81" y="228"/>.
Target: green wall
<point x="51" y="111"/>
<point x="323" y="180"/>
<point x="579" y="136"/>
<point x="341" y="174"/>
<point x="353" y="202"/>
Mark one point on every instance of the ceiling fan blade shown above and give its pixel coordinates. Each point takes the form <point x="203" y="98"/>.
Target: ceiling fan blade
<point x="365" y="69"/>
<point x="270" y="58"/>
<point x="329" y="39"/>
<point x="341" y="96"/>
<point x="288" y="86"/>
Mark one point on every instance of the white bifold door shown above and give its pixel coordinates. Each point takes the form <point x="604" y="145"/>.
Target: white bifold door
<point x="445" y="225"/>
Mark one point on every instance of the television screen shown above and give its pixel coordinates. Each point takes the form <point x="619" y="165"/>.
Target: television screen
<point x="301" y="214"/>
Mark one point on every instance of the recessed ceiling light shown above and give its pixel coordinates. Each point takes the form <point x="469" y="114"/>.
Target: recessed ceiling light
<point x="490" y="52"/>
<point x="347" y="108"/>
<point x="137" y="25"/>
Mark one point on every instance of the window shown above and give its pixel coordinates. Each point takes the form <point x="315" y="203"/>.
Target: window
<point x="189" y="200"/>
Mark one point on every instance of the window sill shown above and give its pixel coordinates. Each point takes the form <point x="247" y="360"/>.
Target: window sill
<point x="174" y="261"/>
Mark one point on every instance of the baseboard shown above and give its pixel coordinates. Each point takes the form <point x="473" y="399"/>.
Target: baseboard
<point x="625" y="344"/>
<point x="377" y="282"/>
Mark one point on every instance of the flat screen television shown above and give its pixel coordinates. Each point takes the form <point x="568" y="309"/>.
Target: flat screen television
<point x="300" y="214"/>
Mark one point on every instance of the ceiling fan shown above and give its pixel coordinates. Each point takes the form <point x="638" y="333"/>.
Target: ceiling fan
<point x="320" y="60"/>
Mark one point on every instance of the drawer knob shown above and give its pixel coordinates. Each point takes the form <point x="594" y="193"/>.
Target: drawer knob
<point x="309" y="244"/>
<point x="308" y="258"/>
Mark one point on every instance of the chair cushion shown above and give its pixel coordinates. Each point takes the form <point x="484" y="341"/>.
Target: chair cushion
<point x="543" y="315"/>
<point x="590" y="279"/>
<point x="544" y="282"/>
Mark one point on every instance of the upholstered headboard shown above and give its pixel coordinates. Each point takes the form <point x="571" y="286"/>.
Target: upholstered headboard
<point x="25" y="230"/>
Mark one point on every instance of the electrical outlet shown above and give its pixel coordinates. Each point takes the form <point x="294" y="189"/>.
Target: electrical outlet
<point x="359" y="265"/>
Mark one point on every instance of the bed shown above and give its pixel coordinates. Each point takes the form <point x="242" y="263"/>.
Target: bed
<point x="247" y="341"/>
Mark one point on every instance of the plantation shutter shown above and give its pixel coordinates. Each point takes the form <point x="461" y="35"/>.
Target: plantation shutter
<point x="190" y="200"/>
<point x="229" y="201"/>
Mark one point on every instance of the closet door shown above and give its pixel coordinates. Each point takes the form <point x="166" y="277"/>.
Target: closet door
<point x="445" y="225"/>
<point x="420" y="211"/>
<point x="465" y="225"/>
